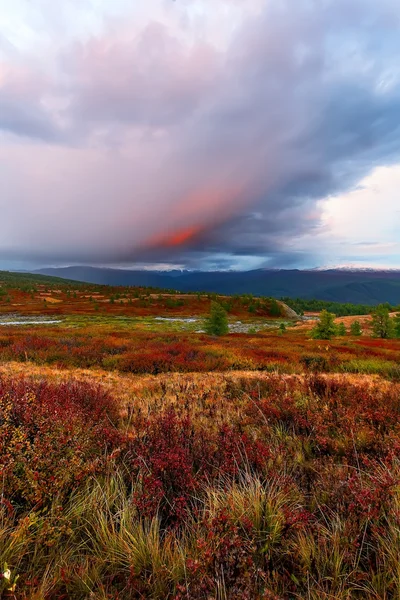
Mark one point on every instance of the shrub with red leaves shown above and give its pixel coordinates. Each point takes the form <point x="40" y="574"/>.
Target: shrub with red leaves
<point x="51" y="437"/>
<point x="173" y="459"/>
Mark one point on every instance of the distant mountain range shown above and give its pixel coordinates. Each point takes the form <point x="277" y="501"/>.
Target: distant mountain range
<point x="335" y="285"/>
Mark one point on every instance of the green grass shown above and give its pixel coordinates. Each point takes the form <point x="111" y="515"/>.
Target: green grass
<point x="160" y="325"/>
<point x="126" y="323"/>
<point x="100" y="539"/>
<point x="372" y="366"/>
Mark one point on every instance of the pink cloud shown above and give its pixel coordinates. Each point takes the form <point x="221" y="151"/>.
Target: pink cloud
<point x="149" y="78"/>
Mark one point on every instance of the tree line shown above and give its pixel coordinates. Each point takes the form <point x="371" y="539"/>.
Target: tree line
<point x="383" y="325"/>
<point x="347" y="309"/>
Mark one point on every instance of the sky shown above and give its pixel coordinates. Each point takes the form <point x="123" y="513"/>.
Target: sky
<point x="200" y="134"/>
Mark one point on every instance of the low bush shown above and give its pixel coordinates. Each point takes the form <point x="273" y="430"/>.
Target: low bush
<point x="51" y="438"/>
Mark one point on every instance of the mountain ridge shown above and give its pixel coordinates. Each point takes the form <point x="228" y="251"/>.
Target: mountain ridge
<point x="357" y="287"/>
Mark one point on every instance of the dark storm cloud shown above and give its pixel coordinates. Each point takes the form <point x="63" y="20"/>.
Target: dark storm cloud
<point x="197" y="154"/>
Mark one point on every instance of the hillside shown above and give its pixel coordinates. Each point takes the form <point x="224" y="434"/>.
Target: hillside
<point x="30" y="294"/>
<point x="19" y="280"/>
<point x="358" y="287"/>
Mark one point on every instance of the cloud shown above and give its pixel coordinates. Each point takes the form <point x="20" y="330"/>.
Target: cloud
<point x="21" y="104"/>
<point x="172" y="141"/>
<point x="150" y="80"/>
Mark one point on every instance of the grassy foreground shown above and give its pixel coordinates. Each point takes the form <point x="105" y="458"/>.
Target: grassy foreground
<point x="241" y="485"/>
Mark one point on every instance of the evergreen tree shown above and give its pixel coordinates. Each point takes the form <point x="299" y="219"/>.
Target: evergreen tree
<point x="341" y="329"/>
<point x="396" y="325"/>
<point x="355" y="328"/>
<point x="382" y="324"/>
<point x="275" y="308"/>
<point x="217" y="323"/>
<point x="326" y="328"/>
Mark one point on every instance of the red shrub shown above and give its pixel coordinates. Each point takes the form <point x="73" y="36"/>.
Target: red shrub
<point x="173" y="459"/>
<point x="51" y="436"/>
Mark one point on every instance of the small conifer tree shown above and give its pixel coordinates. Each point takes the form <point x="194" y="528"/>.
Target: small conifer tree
<point x="326" y="328"/>
<point x="355" y="328"/>
<point x="396" y="325"/>
<point x="341" y="329"/>
<point x="217" y="322"/>
<point x="275" y="308"/>
<point x="382" y="324"/>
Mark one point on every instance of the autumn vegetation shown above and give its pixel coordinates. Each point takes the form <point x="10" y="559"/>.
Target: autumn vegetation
<point x="139" y="459"/>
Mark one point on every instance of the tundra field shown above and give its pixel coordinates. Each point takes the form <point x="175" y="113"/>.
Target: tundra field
<point x="143" y="458"/>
